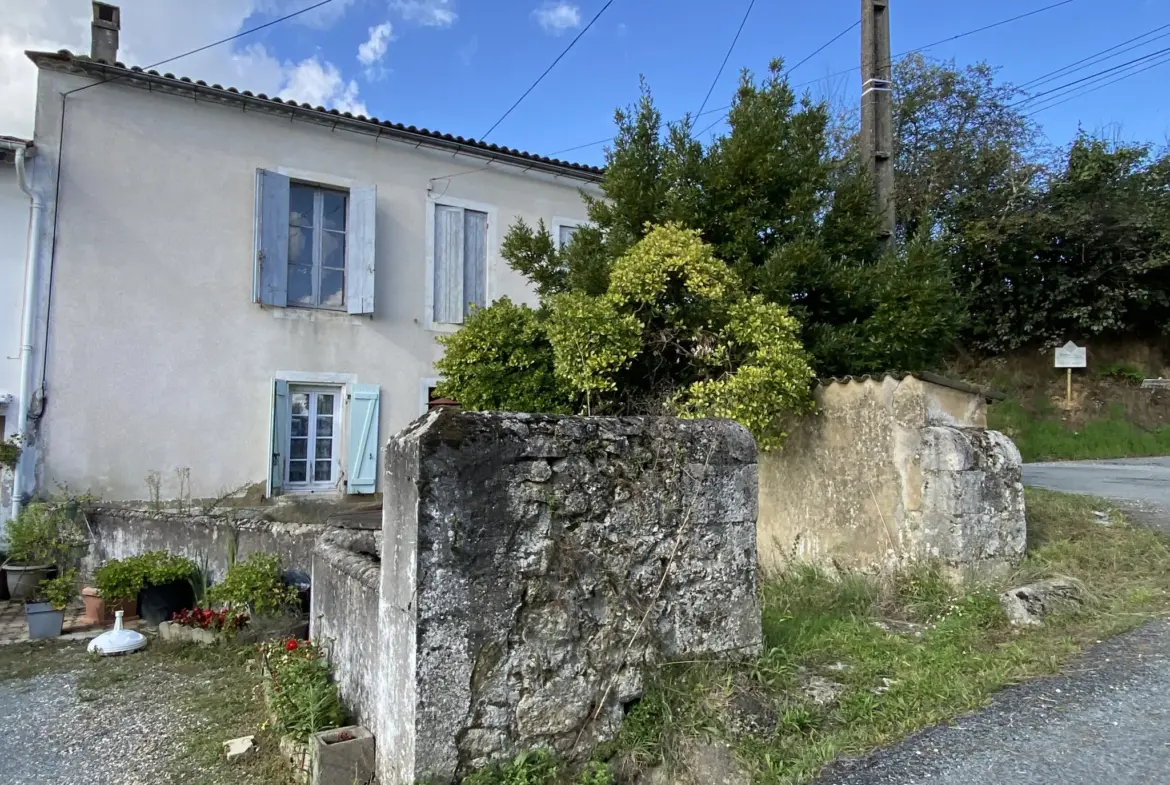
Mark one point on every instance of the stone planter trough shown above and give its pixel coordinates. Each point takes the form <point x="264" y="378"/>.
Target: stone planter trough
<point x="342" y="756"/>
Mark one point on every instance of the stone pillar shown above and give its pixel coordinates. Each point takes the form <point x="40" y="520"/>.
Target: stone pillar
<point x="533" y="567"/>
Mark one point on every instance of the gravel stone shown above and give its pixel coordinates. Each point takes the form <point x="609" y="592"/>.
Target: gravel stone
<point x="121" y="734"/>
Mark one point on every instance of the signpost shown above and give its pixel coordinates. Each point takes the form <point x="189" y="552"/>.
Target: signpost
<point x="1068" y="357"/>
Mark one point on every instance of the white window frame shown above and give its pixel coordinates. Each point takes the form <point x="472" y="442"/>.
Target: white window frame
<point x="558" y="222"/>
<point x="317" y="264"/>
<point x="311" y="485"/>
<point x="344" y="383"/>
<point x="489" y="265"/>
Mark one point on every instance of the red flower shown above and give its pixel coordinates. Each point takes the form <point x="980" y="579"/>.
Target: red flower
<point x="291" y="645"/>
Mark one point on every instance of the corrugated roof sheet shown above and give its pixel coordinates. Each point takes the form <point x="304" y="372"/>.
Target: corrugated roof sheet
<point x="65" y="58"/>
<point x="925" y="376"/>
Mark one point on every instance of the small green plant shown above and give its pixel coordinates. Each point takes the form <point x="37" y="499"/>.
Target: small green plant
<point x="255" y="584"/>
<point x="299" y="690"/>
<point x="1123" y="372"/>
<point x="120" y="580"/>
<point x="40" y="534"/>
<point x="60" y="590"/>
<point x="10" y="450"/>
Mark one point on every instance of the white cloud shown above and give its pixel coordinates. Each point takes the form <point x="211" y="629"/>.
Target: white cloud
<point x="154" y="30"/>
<point x="371" y="53"/>
<point x="321" y="84"/>
<point x="558" y="17"/>
<point x="428" y="13"/>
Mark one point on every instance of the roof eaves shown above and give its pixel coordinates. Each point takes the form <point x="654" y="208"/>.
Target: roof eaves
<point x="66" y="60"/>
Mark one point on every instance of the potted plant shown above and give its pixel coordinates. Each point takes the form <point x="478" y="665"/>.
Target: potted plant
<point x="168" y="586"/>
<point x="45" y="613"/>
<point x="161" y="583"/>
<point x="37" y="540"/>
<point x="114" y="589"/>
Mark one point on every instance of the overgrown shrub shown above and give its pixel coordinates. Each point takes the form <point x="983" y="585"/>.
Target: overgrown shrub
<point x="120" y="580"/>
<point x="255" y="585"/>
<point x="299" y="689"/>
<point x="41" y="534"/>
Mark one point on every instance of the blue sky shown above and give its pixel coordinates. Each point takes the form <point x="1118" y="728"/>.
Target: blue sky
<point x="456" y="65"/>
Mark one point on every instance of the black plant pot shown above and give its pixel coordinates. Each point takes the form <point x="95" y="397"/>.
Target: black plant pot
<point x="157" y="604"/>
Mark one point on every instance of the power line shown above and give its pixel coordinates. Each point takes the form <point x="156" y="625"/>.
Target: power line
<point x="723" y="65"/>
<point x="240" y="34"/>
<point x="1032" y="98"/>
<point x="540" y="78"/>
<point x="1064" y="99"/>
<point x="1095" y="58"/>
<point x="956" y="37"/>
<point x="819" y="49"/>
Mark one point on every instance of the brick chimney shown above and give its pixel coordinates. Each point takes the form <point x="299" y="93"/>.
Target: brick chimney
<point x="107" y="21"/>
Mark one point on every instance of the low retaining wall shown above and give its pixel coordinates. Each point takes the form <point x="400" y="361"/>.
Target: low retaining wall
<point x="344" y="614"/>
<point x="116" y="533"/>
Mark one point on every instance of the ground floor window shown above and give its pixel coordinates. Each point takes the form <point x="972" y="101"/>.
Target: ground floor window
<point x="312" y="448"/>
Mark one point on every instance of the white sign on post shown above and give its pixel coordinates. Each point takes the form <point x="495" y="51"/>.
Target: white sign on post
<point x="1072" y="356"/>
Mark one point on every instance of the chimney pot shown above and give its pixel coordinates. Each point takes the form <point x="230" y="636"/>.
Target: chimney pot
<point x="107" y="21"/>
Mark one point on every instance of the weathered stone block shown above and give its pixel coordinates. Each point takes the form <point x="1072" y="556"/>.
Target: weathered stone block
<point x="342" y="756"/>
<point x="533" y="567"/>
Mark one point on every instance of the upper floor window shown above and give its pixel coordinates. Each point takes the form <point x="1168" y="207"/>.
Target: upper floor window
<point x="459" y="243"/>
<point x="316" y="247"/>
<point x="314" y="244"/>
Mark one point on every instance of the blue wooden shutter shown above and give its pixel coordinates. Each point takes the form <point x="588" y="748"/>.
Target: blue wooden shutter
<point x="363" y="438"/>
<point x="359" y="249"/>
<point x="272" y="238"/>
<point x="474" y="260"/>
<point x="448" y="284"/>
<point x="278" y="437"/>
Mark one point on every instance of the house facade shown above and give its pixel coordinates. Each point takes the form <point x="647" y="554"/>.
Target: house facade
<point x="14" y="224"/>
<point x="247" y="292"/>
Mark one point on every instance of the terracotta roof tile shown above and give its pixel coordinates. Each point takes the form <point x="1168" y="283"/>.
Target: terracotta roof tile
<point x="65" y="57"/>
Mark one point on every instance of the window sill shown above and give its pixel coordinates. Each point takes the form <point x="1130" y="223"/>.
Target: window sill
<point x="316" y="315"/>
<point x="443" y="327"/>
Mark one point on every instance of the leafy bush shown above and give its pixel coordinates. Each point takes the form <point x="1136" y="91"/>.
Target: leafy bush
<point x="255" y="584"/>
<point x="299" y="690"/>
<point x="120" y="580"/>
<point x="674" y="331"/>
<point x="1124" y="372"/>
<point x="40" y="534"/>
<point x="60" y="590"/>
<point x="10" y="450"/>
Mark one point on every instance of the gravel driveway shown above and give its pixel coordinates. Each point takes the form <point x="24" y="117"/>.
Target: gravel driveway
<point x="57" y="731"/>
<point x="1105" y="721"/>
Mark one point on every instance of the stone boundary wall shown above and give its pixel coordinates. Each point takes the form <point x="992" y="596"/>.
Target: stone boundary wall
<point x="344" y="613"/>
<point x="116" y="533"/>
<point x="535" y="567"/>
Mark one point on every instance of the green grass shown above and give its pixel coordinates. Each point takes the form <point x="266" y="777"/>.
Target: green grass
<point x="1041" y="436"/>
<point x="897" y="682"/>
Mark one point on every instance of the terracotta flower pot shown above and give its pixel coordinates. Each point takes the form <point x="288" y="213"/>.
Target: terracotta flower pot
<point x="96" y="612"/>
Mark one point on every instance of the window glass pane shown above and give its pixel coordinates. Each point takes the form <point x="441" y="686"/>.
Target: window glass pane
<point x="332" y="288"/>
<point x="324" y="427"/>
<point x="300" y="246"/>
<point x="300" y="285"/>
<point x="324" y="403"/>
<point x="324" y="449"/>
<point x="300" y="205"/>
<point x="333" y="250"/>
<point x="298" y="448"/>
<point x="297" y="471"/>
<point x="323" y="471"/>
<point x="300" y="426"/>
<point x="299" y="403"/>
<point x="334" y="210"/>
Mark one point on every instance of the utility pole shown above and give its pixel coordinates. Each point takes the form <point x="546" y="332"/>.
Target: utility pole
<point x="877" y="117"/>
